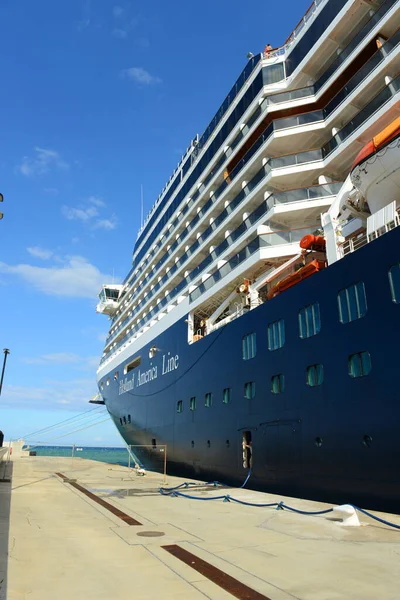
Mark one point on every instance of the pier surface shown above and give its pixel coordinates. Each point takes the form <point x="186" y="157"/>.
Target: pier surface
<point x="87" y="530"/>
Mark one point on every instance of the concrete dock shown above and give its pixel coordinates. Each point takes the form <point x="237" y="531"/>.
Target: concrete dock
<point x="87" y="530"/>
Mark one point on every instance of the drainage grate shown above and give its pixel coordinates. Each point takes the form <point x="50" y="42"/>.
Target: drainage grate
<point x="150" y="533"/>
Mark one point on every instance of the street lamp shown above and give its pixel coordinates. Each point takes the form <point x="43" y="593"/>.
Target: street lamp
<point x="6" y="353"/>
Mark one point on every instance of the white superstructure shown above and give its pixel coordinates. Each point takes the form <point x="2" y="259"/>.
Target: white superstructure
<point x="227" y="226"/>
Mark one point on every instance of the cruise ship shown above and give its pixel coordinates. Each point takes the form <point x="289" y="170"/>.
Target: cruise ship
<point x="258" y="328"/>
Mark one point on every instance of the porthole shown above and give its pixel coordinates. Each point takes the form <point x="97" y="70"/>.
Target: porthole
<point x="152" y="351"/>
<point x="192" y="444"/>
<point x="124" y="420"/>
<point x="318" y="442"/>
<point x="228" y="445"/>
<point x="154" y="442"/>
<point x="208" y="444"/>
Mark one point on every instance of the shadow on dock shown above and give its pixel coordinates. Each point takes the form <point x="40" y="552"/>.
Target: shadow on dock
<point x="5" y="504"/>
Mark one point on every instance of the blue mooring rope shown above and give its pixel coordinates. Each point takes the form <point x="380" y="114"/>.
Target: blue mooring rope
<point x="173" y="492"/>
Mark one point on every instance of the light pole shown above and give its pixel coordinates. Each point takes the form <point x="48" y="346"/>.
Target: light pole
<point x="6" y="353"/>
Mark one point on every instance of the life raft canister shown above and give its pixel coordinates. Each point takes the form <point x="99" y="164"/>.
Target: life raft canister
<point x="312" y="242"/>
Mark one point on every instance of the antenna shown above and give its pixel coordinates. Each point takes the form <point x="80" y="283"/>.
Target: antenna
<point x="141" y="206"/>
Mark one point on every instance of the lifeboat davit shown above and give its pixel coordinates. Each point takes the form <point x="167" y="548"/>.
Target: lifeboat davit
<point x="284" y="284"/>
<point x="376" y="169"/>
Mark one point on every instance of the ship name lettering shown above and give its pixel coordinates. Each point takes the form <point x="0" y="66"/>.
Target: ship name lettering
<point x="146" y="376"/>
<point x="126" y="384"/>
<point x="169" y="363"/>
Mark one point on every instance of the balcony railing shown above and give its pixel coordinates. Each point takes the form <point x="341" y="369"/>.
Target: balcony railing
<point x="275" y="99"/>
<point x="273" y="239"/>
<point x="258" y="242"/>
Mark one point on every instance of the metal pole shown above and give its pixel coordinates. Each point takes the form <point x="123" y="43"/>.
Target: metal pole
<point x="165" y="465"/>
<point x="6" y="353"/>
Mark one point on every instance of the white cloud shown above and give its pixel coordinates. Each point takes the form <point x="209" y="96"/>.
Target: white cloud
<point x="120" y="33"/>
<point x="107" y="224"/>
<point x="81" y="363"/>
<point x="41" y="163"/>
<point x="55" y="358"/>
<point x="41" y="253"/>
<point x="76" y="278"/>
<point x="142" y="42"/>
<point x="72" y="394"/>
<point x="88" y="214"/>
<point x="140" y="75"/>
<point x="79" y="214"/>
<point x="82" y="25"/>
<point x="118" y="11"/>
<point x="96" y="201"/>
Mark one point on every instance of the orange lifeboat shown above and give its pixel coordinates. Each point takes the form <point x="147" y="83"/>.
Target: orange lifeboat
<point x="313" y="242"/>
<point x="312" y="267"/>
<point x="378" y="141"/>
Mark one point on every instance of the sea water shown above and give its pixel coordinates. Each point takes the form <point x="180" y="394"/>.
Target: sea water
<point x="115" y="456"/>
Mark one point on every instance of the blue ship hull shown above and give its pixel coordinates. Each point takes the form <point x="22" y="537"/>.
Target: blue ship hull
<point x="336" y="442"/>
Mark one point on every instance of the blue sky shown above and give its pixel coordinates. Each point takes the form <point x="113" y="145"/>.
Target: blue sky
<point x="98" y="97"/>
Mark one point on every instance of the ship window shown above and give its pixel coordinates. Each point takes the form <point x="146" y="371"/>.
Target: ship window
<point x="102" y="385"/>
<point x="116" y="375"/>
<point x="359" y="364"/>
<point x="226" y="395"/>
<point x="309" y="321"/>
<point x="318" y="442"/>
<point x="132" y="365"/>
<point x="154" y="443"/>
<point x="120" y="420"/>
<point x="315" y="375"/>
<point x="352" y="303"/>
<point x="129" y="418"/>
<point x="208" y="444"/>
<point x="108" y="381"/>
<point x="192" y="405"/>
<point x="179" y="406"/>
<point x="192" y="444"/>
<point x="249" y="348"/>
<point x="276" y="334"/>
<point x="208" y="400"/>
<point x="277" y="383"/>
<point x="249" y="390"/>
<point x="124" y="420"/>
<point x="394" y="281"/>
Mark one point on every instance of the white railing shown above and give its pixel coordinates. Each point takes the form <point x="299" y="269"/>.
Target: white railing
<point x="360" y="240"/>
